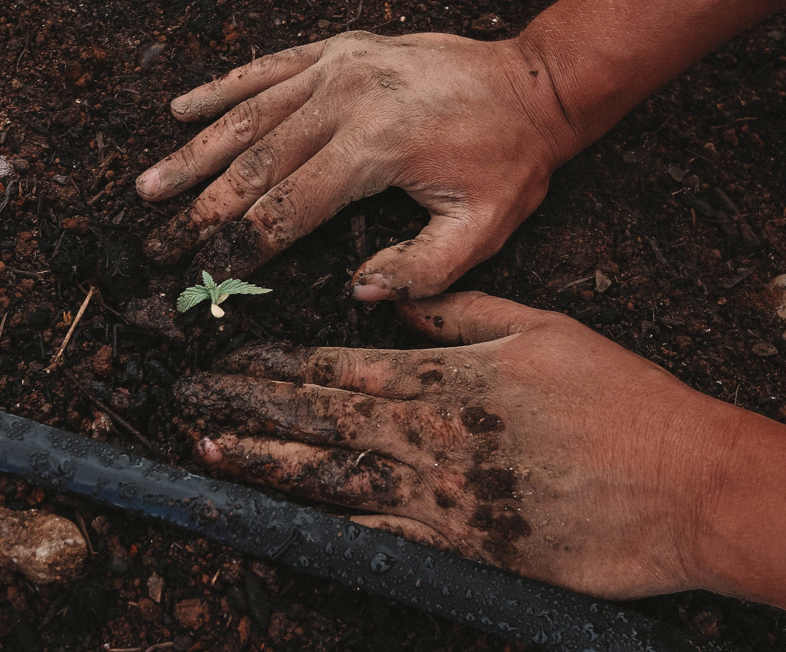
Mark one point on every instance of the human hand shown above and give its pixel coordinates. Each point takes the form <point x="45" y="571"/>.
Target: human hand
<point x="472" y="130"/>
<point x="541" y="447"/>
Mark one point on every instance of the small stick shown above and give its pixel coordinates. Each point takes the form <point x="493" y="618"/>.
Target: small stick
<point x="56" y="359"/>
<point x="80" y="520"/>
<point x="25" y="272"/>
<point x="2" y="323"/>
<point x="114" y="415"/>
<point x="578" y="281"/>
<point x="357" y="13"/>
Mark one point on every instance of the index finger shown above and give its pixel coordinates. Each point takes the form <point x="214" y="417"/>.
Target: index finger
<point x="261" y="73"/>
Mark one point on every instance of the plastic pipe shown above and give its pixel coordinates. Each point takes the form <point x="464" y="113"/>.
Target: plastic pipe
<point x="322" y="545"/>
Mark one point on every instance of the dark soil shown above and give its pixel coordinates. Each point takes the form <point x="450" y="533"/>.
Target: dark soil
<point x="682" y="206"/>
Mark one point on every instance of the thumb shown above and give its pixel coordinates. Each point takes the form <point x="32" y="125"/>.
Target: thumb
<point x="469" y="317"/>
<point x="444" y="250"/>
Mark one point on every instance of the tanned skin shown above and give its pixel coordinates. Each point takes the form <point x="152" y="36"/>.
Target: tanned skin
<point x="538" y="445"/>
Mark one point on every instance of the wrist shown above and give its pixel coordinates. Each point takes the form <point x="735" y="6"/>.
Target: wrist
<point x="529" y="76"/>
<point x="605" y="56"/>
<point x="741" y="522"/>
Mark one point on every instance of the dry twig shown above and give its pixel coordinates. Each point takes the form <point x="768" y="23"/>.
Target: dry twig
<point x="116" y="418"/>
<point x="57" y="358"/>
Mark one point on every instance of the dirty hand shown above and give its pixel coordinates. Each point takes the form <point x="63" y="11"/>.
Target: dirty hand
<point x="472" y="130"/>
<point x="541" y="447"/>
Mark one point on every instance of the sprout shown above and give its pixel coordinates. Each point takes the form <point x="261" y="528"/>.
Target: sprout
<point x="216" y="293"/>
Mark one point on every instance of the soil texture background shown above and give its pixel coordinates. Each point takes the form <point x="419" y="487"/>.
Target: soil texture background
<point x="682" y="206"/>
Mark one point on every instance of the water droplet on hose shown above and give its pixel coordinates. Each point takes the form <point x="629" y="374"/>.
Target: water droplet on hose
<point x="428" y="562"/>
<point x="303" y="561"/>
<point x="541" y="637"/>
<point x="329" y="549"/>
<point x="382" y="563"/>
<point x="353" y="532"/>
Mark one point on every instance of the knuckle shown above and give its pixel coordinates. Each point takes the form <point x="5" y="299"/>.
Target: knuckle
<point x="253" y="169"/>
<point x="188" y="158"/>
<point x="326" y="367"/>
<point x="241" y="123"/>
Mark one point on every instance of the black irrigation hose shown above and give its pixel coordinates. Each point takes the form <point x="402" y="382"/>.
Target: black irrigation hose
<point x="322" y="545"/>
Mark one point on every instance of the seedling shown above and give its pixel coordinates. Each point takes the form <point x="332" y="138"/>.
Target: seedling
<point x="217" y="293"/>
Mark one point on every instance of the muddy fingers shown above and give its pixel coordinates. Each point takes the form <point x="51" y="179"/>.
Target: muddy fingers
<point x="320" y="415"/>
<point x="407" y="528"/>
<point x="391" y="374"/>
<point x="362" y="480"/>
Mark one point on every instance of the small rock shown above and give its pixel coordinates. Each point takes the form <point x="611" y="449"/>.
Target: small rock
<point x="764" y="349"/>
<point x="101" y="425"/>
<point x="155" y="587"/>
<point x="102" y="361"/>
<point x="192" y="613"/>
<point x="151" y="54"/>
<point x="487" y="24"/>
<point x="778" y="287"/>
<point x="683" y="342"/>
<point x="60" y="179"/>
<point x="6" y="169"/>
<point x="323" y="24"/>
<point x="676" y="173"/>
<point x="602" y="282"/>
<point x="43" y="547"/>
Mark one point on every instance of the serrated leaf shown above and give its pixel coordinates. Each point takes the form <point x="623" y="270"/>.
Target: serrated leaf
<point x="236" y="286"/>
<point x="191" y="296"/>
<point x="208" y="280"/>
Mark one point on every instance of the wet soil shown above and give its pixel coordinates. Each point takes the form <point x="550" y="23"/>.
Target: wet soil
<point x="682" y="207"/>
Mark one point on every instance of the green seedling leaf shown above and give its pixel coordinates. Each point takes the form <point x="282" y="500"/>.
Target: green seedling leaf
<point x="216" y="293"/>
<point x="192" y="296"/>
<point x="236" y="286"/>
<point x="208" y="280"/>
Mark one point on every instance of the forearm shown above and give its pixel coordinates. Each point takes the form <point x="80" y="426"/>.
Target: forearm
<point x="605" y="56"/>
<point x="741" y="541"/>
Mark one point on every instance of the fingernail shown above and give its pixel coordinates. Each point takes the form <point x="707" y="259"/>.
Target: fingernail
<point x="180" y="104"/>
<point x="372" y="287"/>
<point x="149" y="183"/>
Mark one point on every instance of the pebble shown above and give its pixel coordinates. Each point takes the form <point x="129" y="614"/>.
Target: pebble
<point x="102" y="361"/>
<point x="764" y="349"/>
<point x="602" y="282"/>
<point x="778" y="287"/>
<point x="192" y="613"/>
<point x="151" y="54"/>
<point x="6" y="169"/>
<point x="44" y="547"/>
<point x="101" y="425"/>
<point x="487" y="24"/>
<point x="155" y="587"/>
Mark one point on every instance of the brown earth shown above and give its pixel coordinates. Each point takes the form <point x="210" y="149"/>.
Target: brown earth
<point x="682" y="207"/>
